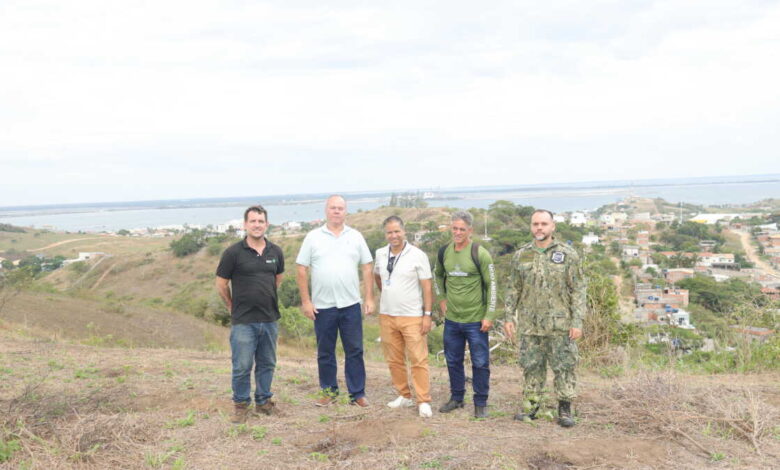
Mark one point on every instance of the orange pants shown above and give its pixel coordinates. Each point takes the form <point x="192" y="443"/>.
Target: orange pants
<point x="399" y="335"/>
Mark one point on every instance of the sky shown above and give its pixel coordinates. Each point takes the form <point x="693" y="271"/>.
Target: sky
<point x="138" y="100"/>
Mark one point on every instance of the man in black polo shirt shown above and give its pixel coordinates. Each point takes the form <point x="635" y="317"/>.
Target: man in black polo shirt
<point x="254" y="268"/>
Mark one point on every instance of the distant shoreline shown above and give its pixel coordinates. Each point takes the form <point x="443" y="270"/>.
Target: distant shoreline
<point x="526" y="191"/>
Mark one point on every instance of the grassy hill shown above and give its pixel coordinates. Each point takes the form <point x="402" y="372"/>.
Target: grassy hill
<point x="116" y="363"/>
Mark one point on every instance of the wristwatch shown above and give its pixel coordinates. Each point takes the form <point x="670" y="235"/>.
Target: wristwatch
<point x="427" y="314"/>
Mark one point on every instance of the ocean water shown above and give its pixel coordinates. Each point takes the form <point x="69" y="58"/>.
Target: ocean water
<point x="556" y="199"/>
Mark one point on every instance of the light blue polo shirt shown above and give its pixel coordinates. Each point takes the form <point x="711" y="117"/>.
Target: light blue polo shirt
<point x="333" y="262"/>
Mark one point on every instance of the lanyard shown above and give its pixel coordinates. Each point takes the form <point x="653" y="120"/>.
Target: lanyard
<point x="392" y="261"/>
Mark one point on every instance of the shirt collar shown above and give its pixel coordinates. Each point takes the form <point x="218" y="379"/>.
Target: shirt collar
<point x="406" y="248"/>
<point x="325" y="229"/>
<point x="246" y="245"/>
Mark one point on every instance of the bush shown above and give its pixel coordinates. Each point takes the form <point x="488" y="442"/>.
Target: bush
<point x="294" y="326"/>
<point x="188" y="244"/>
<point x="214" y="248"/>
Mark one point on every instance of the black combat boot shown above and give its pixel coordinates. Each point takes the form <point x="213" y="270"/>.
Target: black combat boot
<point x="530" y="413"/>
<point x="480" y="412"/>
<point x="450" y="405"/>
<point x="564" y="414"/>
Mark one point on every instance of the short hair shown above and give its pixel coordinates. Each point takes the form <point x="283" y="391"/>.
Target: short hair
<point x="335" y="195"/>
<point x="537" y="211"/>
<point x="464" y="216"/>
<point x="258" y="208"/>
<point x="393" y="218"/>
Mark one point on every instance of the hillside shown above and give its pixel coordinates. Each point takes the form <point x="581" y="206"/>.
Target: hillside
<point x="75" y="406"/>
<point x="117" y="362"/>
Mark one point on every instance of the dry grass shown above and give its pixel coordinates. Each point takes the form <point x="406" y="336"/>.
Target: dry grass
<point x="75" y="406"/>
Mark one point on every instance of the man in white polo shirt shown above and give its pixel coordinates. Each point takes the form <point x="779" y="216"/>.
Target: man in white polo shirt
<point x="332" y="253"/>
<point x="403" y="275"/>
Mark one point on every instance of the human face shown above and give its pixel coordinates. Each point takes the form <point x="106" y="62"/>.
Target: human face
<point x="461" y="232"/>
<point x="335" y="210"/>
<point x="542" y="226"/>
<point x="255" y="225"/>
<point x="395" y="235"/>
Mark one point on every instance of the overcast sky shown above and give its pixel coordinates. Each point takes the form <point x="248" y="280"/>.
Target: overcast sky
<point x="133" y="100"/>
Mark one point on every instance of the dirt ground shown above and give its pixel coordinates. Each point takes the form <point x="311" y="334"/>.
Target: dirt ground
<point x="75" y="406"/>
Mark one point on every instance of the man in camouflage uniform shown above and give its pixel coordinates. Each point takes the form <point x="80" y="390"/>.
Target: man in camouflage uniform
<point x="547" y="297"/>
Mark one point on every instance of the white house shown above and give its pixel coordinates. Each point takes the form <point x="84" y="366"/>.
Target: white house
<point x="630" y="251"/>
<point x="577" y="218"/>
<point x="590" y="239"/>
<point x="677" y="317"/>
<point x="559" y="219"/>
<point x="708" y="259"/>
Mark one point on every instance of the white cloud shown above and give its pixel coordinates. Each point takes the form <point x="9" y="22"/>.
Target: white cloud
<point x="323" y="95"/>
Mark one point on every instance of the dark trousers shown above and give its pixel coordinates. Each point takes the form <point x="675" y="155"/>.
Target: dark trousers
<point x="329" y="323"/>
<point x="455" y="337"/>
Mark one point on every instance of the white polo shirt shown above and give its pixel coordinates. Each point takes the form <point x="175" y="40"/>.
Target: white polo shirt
<point x="333" y="261"/>
<point x="401" y="291"/>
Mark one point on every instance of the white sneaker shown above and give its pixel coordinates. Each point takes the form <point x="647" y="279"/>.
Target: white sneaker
<point x="401" y="402"/>
<point x="425" y="410"/>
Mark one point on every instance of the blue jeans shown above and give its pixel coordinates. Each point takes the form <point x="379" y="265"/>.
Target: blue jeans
<point x="253" y="342"/>
<point x="348" y="322"/>
<point x="455" y="337"/>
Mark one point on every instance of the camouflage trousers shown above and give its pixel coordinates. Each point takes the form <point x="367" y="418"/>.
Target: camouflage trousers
<point x="560" y="353"/>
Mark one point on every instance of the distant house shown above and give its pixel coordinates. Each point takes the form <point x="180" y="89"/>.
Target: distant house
<point x="771" y="292"/>
<point x="630" y="251"/>
<point x="84" y="256"/>
<point x="578" y="218"/>
<point x="710" y="259"/>
<point x="292" y="226"/>
<point x="677" y="317"/>
<point x="641" y="217"/>
<point x="707" y="245"/>
<point x="677" y="274"/>
<point x="590" y="239"/>
<point x="754" y="333"/>
<point x="643" y="239"/>
<point x="418" y="235"/>
<point x="559" y="219"/>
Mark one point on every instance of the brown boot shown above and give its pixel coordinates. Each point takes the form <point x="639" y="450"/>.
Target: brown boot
<point x="240" y="413"/>
<point x="268" y="408"/>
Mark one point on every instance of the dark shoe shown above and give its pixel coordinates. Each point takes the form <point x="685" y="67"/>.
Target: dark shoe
<point x="480" y="411"/>
<point x="564" y="414"/>
<point x="240" y="413"/>
<point x="530" y="413"/>
<point x="450" y="405"/>
<point x="267" y="408"/>
<point x="361" y="402"/>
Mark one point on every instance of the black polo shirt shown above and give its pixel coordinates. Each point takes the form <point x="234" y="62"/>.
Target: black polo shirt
<point x="253" y="281"/>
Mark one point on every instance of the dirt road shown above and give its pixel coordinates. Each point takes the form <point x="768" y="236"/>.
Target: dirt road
<point x="752" y="255"/>
<point x="65" y="242"/>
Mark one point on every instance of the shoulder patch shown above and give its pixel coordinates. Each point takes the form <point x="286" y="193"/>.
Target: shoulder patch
<point x="558" y="257"/>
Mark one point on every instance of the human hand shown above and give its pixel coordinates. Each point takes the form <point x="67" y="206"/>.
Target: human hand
<point x="425" y="327"/>
<point x="308" y="310"/>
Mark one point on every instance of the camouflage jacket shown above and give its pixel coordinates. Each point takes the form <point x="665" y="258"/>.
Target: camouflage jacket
<point x="546" y="289"/>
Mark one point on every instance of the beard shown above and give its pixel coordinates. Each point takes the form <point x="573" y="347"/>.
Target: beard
<point x="541" y="238"/>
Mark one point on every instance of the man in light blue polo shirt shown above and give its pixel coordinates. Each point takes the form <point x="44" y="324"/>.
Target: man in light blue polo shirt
<point x="332" y="253"/>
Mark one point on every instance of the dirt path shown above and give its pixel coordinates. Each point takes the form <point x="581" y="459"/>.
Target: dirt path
<point x="752" y="255"/>
<point x="64" y="242"/>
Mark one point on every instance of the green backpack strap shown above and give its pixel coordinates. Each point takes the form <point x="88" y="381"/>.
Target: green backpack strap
<point x="441" y="263"/>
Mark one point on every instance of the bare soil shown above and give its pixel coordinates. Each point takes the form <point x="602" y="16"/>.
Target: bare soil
<point x="76" y="406"/>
